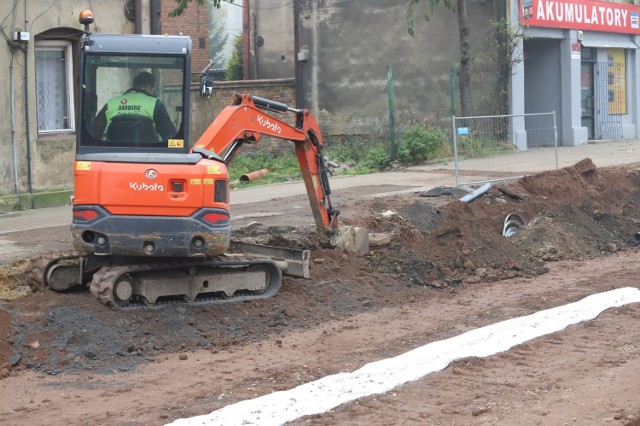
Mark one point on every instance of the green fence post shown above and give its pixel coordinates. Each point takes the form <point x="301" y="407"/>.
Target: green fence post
<point x="392" y="142"/>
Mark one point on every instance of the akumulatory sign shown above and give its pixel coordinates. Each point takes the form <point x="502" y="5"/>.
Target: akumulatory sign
<point x="581" y="15"/>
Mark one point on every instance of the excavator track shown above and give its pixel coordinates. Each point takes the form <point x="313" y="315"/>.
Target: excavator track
<point x="213" y="280"/>
<point x="59" y="270"/>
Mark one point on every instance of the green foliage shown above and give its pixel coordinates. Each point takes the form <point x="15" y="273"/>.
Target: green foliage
<point x="379" y="159"/>
<point x="235" y="68"/>
<point x="431" y="4"/>
<point x="470" y="146"/>
<point x="364" y="155"/>
<point x="282" y="167"/>
<point x="218" y="37"/>
<point x="183" y="4"/>
<point x="419" y="144"/>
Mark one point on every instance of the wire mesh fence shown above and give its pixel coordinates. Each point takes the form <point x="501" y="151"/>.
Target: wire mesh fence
<point x="481" y="148"/>
<point x="503" y="147"/>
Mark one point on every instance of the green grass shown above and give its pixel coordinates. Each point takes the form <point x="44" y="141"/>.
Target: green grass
<point x="282" y="167"/>
<point x="363" y="155"/>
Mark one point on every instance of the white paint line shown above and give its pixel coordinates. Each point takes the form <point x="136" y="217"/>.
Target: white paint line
<point x="382" y="376"/>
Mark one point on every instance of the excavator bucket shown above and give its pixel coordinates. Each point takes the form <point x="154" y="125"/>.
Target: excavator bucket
<point x="352" y="239"/>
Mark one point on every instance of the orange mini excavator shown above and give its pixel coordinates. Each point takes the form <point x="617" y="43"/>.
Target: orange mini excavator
<point x="151" y="217"/>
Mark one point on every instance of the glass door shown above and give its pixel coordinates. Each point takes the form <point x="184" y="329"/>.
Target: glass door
<point x="586" y="96"/>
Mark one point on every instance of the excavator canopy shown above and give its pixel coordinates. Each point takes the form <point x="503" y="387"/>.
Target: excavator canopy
<point x="134" y="94"/>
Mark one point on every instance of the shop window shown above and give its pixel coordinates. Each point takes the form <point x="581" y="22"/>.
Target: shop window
<point x="54" y="86"/>
<point x="617" y="81"/>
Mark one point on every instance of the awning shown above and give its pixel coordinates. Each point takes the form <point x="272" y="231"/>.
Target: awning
<point x="609" y="40"/>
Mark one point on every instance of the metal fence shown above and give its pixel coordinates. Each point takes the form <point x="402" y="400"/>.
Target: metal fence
<point x="503" y="147"/>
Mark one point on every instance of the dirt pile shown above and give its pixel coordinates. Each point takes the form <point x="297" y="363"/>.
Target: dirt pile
<point x="571" y="213"/>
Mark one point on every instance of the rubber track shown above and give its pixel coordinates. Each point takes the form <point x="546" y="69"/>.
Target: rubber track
<point x="36" y="268"/>
<point x="103" y="281"/>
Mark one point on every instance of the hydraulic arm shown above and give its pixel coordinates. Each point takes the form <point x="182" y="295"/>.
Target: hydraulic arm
<point x="244" y="121"/>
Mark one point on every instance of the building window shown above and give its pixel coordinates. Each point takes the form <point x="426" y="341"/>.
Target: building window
<point x="54" y="87"/>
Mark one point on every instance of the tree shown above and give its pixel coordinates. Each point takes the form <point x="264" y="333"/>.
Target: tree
<point x="218" y="37"/>
<point x="183" y="4"/>
<point x="464" y="72"/>
<point x="509" y="54"/>
<point x="235" y="66"/>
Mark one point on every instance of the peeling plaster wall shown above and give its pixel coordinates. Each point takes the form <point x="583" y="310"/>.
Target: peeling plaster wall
<point x="51" y="156"/>
<point x="352" y="42"/>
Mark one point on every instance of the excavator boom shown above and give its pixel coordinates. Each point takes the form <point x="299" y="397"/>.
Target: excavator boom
<point x="246" y="120"/>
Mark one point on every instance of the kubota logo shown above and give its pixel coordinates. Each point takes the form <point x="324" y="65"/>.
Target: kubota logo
<point x="151" y="174"/>
<point x="269" y="125"/>
<point x="145" y="187"/>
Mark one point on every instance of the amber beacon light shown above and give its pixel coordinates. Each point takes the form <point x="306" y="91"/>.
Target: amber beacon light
<point x="86" y="17"/>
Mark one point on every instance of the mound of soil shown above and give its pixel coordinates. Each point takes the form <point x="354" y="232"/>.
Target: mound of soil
<point x="573" y="213"/>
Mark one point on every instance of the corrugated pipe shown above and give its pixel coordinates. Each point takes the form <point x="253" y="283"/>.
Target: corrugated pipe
<point x="254" y="175"/>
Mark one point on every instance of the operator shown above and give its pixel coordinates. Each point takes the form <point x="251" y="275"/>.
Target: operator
<point x="140" y="102"/>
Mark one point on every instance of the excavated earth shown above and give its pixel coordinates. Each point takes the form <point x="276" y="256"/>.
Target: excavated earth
<point x="447" y="268"/>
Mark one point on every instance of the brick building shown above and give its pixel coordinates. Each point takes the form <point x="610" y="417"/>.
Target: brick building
<point x="194" y="22"/>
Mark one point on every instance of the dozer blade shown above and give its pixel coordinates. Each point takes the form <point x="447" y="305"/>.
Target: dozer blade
<point x="292" y="262"/>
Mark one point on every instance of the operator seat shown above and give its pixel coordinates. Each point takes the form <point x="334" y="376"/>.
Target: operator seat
<point x="132" y="130"/>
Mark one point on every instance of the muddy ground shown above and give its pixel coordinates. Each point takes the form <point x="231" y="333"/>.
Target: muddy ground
<point x="65" y="359"/>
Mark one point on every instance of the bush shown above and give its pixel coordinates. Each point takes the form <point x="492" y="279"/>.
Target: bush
<point x="419" y="144"/>
<point x="379" y="159"/>
<point x="470" y="146"/>
<point x="366" y="155"/>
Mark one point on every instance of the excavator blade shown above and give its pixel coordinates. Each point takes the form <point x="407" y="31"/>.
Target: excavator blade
<point x="292" y="262"/>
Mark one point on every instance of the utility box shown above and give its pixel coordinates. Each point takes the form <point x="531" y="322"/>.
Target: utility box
<point x="21" y="36"/>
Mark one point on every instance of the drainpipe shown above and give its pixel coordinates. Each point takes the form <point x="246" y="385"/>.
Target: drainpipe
<point x="138" y="16"/>
<point x="26" y="109"/>
<point x="246" y="13"/>
<point x="155" y="17"/>
<point x="14" y="148"/>
<point x="296" y="49"/>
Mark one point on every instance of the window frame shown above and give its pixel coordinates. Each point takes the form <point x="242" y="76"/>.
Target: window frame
<point x="67" y="48"/>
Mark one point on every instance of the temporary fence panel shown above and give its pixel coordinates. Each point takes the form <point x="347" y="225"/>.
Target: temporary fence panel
<point x="503" y="147"/>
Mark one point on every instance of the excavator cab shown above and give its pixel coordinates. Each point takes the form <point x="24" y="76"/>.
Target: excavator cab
<point x="134" y="94"/>
<point x="139" y="191"/>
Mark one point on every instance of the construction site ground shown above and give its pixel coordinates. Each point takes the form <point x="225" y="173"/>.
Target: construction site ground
<point x="66" y="359"/>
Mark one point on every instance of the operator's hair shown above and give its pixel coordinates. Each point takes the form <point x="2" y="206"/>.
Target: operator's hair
<point x="143" y="79"/>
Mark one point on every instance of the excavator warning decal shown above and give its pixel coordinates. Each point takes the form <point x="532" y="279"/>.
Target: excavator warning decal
<point x="195" y="181"/>
<point x="213" y="170"/>
<point x="83" y="165"/>
<point x="176" y="143"/>
<point x="208" y="181"/>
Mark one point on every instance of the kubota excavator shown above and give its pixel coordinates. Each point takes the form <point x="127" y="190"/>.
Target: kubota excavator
<point x="151" y="215"/>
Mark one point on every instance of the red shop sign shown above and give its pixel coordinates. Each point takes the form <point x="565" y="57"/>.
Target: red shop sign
<point x="581" y="15"/>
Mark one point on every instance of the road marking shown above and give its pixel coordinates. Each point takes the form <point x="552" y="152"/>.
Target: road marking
<point x="384" y="375"/>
